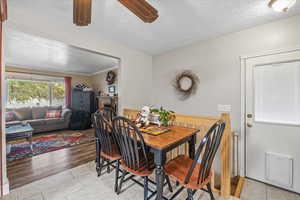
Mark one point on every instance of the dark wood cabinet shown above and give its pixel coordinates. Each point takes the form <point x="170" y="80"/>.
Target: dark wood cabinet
<point x="83" y="106"/>
<point x="83" y="100"/>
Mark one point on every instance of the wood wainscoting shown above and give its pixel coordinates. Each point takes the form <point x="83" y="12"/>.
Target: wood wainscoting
<point x="203" y="124"/>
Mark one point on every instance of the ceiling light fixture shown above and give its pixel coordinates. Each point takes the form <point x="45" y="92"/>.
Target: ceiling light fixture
<point x="82" y="12"/>
<point x="281" y="5"/>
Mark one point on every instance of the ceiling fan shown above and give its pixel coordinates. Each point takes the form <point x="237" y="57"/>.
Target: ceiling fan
<point x="82" y="11"/>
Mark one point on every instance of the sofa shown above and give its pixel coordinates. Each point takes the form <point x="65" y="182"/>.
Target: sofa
<point x="39" y="118"/>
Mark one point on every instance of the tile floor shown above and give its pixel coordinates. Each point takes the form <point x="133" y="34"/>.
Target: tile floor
<point x="81" y="183"/>
<point x="258" y="191"/>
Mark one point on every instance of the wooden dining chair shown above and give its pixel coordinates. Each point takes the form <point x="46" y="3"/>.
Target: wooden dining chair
<point x="196" y="174"/>
<point x="108" y="114"/>
<point x="136" y="157"/>
<point x="108" y="149"/>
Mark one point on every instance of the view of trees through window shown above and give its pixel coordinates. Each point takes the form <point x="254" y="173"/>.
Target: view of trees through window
<point x="23" y="93"/>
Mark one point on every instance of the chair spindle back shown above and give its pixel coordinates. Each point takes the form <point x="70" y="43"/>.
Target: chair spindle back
<point x="131" y="143"/>
<point x="207" y="150"/>
<point x="104" y="133"/>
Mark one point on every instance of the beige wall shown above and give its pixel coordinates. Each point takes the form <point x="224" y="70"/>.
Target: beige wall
<point x="99" y="81"/>
<point x="75" y="78"/>
<point x="217" y="63"/>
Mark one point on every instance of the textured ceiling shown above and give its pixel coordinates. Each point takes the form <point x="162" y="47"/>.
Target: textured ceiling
<point x="181" y="22"/>
<point x="28" y="51"/>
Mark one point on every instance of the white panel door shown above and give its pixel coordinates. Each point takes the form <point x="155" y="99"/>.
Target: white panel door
<point x="273" y="119"/>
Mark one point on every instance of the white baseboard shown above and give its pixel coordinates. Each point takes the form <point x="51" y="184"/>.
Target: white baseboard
<point x="6" y="186"/>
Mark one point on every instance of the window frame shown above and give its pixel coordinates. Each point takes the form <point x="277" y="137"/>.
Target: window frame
<point x="36" y="78"/>
<point x="255" y="110"/>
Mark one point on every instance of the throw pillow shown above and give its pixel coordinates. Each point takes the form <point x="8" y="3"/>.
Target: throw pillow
<point x="10" y="116"/>
<point x="53" y="114"/>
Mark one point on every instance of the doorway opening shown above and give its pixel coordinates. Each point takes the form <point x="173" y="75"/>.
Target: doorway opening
<point x="52" y="90"/>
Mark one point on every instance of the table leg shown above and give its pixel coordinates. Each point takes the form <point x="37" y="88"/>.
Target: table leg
<point x="97" y="156"/>
<point x="159" y="159"/>
<point x="192" y="143"/>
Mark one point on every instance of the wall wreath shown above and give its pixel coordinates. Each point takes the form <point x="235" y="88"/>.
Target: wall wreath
<point x="110" y="77"/>
<point x="186" y="84"/>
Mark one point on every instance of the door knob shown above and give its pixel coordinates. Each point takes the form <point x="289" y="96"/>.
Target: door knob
<point x="249" y="124"/>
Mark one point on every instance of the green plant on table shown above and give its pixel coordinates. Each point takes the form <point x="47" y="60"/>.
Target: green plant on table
<point x="165" y="116"/>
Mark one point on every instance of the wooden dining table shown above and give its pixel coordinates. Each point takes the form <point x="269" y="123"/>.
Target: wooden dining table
<point x="160" y="145"/>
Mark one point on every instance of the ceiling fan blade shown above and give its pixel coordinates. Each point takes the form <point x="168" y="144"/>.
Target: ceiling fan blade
<point x="82" y="12"/>
<point x="3" y="10"/>
<point x="141" y="9"/>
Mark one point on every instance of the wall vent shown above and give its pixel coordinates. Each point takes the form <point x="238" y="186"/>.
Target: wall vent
<point x="279" y="169"/>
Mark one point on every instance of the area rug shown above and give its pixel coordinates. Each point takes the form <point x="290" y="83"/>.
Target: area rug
<point x="48" y="142"/>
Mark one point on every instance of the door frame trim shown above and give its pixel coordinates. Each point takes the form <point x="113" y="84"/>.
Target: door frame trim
<point x="243" y="58"/>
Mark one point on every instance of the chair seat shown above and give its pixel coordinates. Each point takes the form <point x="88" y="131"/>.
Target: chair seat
<point x="178" y="169"/>
<point x="115" y="155"/>
<point x="111" y="157"/>
<point x="142" y="169"/>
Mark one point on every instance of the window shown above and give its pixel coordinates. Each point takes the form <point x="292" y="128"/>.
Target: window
<point x="277" y="93"/>
<point x="29" y="91"/>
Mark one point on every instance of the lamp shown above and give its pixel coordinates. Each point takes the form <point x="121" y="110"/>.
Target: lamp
<point x="82" y="12"/>
<point x="281" y="5"/>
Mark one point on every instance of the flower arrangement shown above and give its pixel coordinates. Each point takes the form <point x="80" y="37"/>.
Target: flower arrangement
<point x="165" y="116"/>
